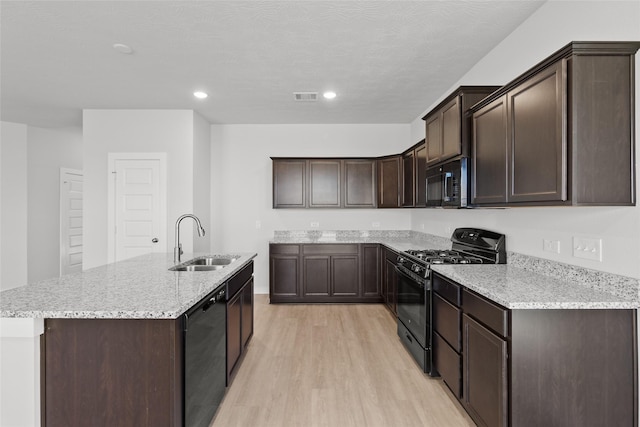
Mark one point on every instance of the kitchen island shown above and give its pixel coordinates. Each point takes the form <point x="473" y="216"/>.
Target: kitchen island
<point x="112" y="348"/>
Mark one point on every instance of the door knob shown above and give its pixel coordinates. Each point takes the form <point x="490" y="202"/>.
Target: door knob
<point x="154" y="240"/>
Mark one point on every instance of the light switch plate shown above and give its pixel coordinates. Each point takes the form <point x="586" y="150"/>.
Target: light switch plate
<point x="549" y="245"/>
<point x="587" y="248"/>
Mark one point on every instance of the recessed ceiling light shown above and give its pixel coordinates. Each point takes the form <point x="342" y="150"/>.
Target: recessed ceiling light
<point x="123" y="48"/>
<point x="329" y="95"/>
<point x="200" y="94"/>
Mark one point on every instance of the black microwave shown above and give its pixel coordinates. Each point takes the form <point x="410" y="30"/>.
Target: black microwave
<point x="447" y="184"/>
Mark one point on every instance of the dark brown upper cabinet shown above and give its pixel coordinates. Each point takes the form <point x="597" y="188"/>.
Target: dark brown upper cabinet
<point x="389" y="169"/>
<point x="359" y="183"/>
<point x="561" y="133"/>
<point x="324" y="183"/>
<point x="421" y="175"/>
<point x="290" y="183"/>
<point x="414" y="174"/>
<point x="447" y="126"/>
<point x="408" y="178"/>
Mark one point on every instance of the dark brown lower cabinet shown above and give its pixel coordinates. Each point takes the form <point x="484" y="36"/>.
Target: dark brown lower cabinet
<point x="371" y="271"/>
<point x="484" y="373"/>
<point x="239" y="320"/>
<point x="313" y="273"/>
<point x="285" y="272"/>
<point x="536" y="367"/>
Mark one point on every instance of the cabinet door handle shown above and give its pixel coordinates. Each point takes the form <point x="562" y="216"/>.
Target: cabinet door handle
<point x="409" y="338"/>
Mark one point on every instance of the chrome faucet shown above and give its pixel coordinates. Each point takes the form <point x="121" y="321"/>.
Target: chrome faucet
<point x="177" y="250"/>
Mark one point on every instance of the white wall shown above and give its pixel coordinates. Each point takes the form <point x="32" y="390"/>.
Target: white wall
<point x="202" y="181"/>
<point x="242" y="182"/>
<point x="135" y="131"/>
<point x="551" y="27"/>
<point x="13" y="200"/>
<point x="48" y="151"/>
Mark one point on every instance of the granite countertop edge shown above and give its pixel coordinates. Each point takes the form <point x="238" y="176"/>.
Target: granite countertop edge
<point x="526" y="282"/>
<point x="138" y="288"/>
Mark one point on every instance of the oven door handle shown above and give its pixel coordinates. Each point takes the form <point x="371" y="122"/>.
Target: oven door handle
<point x="420" y="284"/>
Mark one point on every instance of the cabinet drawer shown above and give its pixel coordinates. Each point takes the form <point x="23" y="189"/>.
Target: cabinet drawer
<point x="448" y="363"/>
<point x="237" y="281"/>
<point x="490" y="314"/>
<point x="447" y="290"/>
<point x="328" y="249"/>
<point x="446" y="321"/>
<point x="284" y="249"/>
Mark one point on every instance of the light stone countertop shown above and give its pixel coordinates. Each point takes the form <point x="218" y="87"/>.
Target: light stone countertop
<point x="397" y="240"/>
<point x="136" y="288"/>
<point x="516" y="288"/>
<point x="525" y="282"/>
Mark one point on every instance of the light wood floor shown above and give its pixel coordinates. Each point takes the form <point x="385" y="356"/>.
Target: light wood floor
<point x="332" y="365"/>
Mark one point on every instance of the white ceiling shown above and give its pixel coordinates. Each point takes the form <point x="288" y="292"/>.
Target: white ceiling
<point x="387" y="60"/>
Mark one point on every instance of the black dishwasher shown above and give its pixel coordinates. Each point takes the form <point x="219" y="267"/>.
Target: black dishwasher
<point x="204" y="359"/>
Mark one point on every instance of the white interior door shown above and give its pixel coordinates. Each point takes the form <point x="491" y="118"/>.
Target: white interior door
<point x="70" y="221"/>
<point x="139" y="225"/>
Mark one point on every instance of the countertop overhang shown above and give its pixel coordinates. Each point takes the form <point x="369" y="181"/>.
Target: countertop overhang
<point x="137" y="288"/>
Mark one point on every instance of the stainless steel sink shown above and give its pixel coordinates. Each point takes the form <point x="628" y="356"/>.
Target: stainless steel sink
<point x="211" y="261"/>
<point x="205" y="263"/>
<point x="197" y="267"/>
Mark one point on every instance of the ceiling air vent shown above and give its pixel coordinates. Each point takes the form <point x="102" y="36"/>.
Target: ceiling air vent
<point x="305" y="96"/>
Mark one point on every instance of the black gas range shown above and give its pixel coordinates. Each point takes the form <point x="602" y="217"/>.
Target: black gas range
<point x="469" y="246"/>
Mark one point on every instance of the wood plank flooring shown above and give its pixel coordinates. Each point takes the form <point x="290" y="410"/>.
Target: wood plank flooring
<point x="332" y="365"/>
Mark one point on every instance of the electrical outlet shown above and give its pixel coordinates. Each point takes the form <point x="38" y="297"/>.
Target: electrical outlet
<point x="587" y="248"/>
<point x="375" y="224"/>
<point x="258" y="224"/>
<point x="551" y="246"/>
<point x="315" y="224"/>
<point x="422" y="226"/>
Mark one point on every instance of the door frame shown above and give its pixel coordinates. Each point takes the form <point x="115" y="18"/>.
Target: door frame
<point x="62" y="197"/>
<point x="111" y="196"/>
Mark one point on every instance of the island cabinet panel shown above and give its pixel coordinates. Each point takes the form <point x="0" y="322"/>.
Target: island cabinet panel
<point x="389" y="182"/>
<point x="324" y="272"/>
<point x="569" y="131"/>
<point x="113" y="372"/>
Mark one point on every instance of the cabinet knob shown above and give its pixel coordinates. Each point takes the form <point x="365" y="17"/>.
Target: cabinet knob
<point x="154" y="240"/>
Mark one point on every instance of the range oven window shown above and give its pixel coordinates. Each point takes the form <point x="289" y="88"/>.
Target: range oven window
<point x="412" y="307"/>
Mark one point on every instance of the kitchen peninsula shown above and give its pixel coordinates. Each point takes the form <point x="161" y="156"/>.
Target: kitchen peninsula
<point x="529" y="342"/>
<point x="114" y="341"/>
